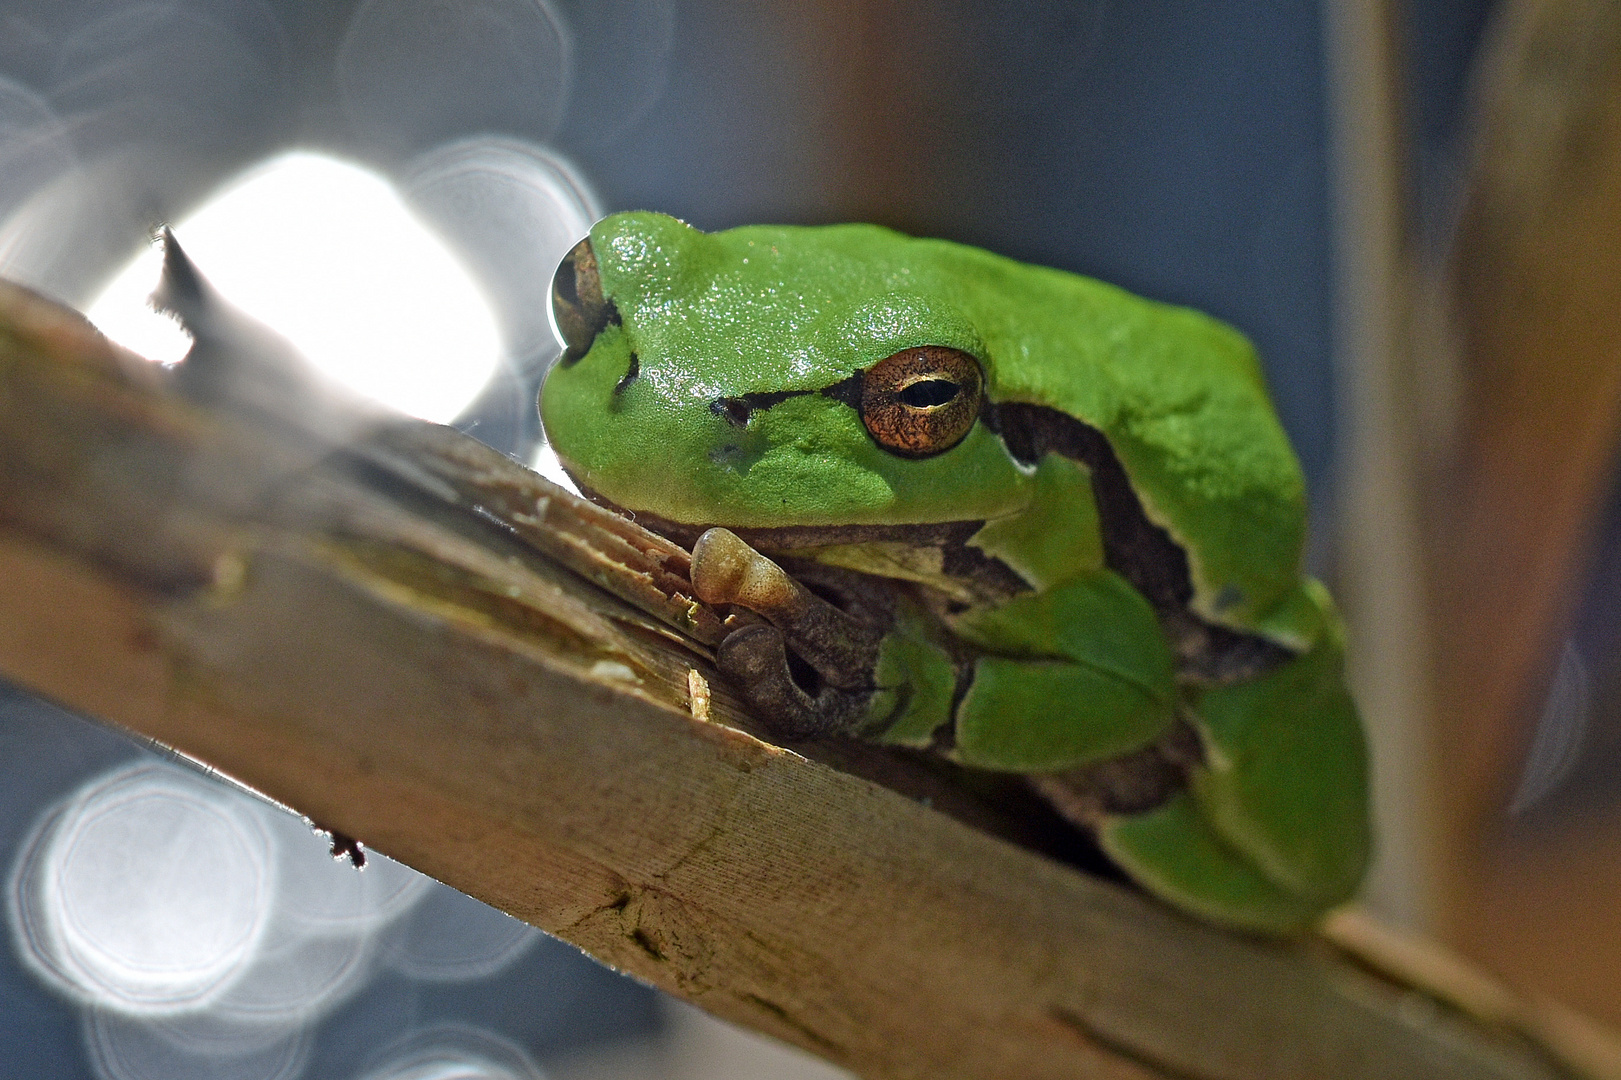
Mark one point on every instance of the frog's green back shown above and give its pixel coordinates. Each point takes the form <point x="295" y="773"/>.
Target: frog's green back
<point x="1180" y="398"/>
<point x="1179" y="395"/>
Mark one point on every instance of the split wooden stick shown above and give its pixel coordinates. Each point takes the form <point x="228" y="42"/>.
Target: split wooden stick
<point x="352" y="629"/>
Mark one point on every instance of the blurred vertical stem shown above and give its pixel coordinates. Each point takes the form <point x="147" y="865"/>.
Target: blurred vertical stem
<point x="1380" y="562"/>
<point x="1536" y="280"/>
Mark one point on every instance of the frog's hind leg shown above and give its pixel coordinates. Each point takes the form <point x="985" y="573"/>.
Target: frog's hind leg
<point x="1285" y="773"/>
<point x="1138" y="808"/>
<point x="1272" y="829"/>
<point x="1075" y="674"/>
<point x="1176" y="853"/>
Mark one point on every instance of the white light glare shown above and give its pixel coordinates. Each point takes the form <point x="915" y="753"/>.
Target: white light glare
<point x="152" y="893"/>
<point x="142" y="894"/>
<point x="328" y="255"/>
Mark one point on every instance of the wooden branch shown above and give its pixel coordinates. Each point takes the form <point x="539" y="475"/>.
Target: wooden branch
<point x="336" y="627"/>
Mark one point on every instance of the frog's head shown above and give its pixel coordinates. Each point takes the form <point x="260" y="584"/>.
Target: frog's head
<point x="773" y="376"/>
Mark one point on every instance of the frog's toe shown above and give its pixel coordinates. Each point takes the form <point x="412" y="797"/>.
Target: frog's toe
<point x="784" y="691"/>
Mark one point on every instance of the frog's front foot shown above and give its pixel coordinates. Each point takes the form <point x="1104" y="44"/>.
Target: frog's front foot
<point x="808" y="669"/>
<point x="796" y="703"/>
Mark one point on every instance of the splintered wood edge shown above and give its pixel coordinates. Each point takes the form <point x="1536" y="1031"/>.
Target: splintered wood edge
<point x="766" y="887"/>
<point x="634" y="564"/>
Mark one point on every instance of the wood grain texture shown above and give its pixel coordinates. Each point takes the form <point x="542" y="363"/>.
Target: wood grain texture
<point x="409" y="673"/>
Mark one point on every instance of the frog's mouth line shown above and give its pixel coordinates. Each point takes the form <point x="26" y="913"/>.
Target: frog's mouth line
<point x="786" y="539"/>
<point x="1207" y="652"/>
<point x="958" y="558"/>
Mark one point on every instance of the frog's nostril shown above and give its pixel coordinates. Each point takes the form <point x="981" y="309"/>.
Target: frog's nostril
<point x="734" y="410"/>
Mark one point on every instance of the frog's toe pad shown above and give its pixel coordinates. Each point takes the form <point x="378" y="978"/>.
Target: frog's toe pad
<point x="725" y="570"/>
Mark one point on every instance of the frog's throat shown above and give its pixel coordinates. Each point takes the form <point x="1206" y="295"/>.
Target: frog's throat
<point x="786" y="539"/>
<point x="951" y="537"/>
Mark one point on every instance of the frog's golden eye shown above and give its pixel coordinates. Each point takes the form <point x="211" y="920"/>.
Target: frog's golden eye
<point x="921" y="401"/>
<point x="579" y="309"/>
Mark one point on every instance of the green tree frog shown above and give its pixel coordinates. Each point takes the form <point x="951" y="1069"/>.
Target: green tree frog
<point x="1023" y="519"/>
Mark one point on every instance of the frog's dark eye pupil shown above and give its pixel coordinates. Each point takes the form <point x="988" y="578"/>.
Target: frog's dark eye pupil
<point x="929" y="393"/>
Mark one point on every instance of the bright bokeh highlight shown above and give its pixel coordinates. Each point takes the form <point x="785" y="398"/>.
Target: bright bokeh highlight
<point x="144" y="895"/>
<point x="331" y="257"/>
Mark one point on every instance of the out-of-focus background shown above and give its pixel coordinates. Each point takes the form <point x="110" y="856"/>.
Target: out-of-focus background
<point x="1413" y="208"/>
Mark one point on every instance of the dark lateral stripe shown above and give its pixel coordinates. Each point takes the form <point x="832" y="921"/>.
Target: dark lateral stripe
<point x="1133" y="546"/>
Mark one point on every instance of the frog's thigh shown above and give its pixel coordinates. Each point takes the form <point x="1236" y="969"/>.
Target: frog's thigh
<point x="1177" y="854"/>
<point x="1285" y="780"/>
<point x="1038" y="716"/>
<point x="1082" y="673"/>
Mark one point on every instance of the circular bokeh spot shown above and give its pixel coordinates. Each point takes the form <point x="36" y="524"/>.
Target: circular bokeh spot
<point x="147" y="892"/>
